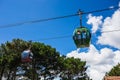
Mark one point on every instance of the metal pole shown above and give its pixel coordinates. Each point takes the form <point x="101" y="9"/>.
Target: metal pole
<point x="80" y="14"/>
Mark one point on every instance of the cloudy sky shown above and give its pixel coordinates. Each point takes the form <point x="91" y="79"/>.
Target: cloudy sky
<point x="101" y="61"/>
<point x="104" y="50"/>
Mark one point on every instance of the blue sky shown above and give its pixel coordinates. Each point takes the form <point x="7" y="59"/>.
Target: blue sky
<point x="15" y="11"/>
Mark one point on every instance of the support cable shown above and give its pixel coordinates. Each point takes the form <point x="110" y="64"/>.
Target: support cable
<point x="60" y="17"/>
<point x="68" y="36"/>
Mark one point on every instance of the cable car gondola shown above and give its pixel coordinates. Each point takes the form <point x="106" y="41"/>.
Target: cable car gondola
<point x="81" y="37"/>
<point x="26" y="56"/>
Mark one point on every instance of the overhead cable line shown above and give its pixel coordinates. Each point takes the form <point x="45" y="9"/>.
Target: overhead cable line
<point x="58" y="37"/>
<point x="110" y="31"/>
<point x="60" y="17"/>
<point x="106" y="9"/>
<point x="67" y="36"/>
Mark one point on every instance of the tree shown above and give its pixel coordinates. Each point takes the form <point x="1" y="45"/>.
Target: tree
<point x="46" y="61"/>
<point x="10" y="58"/>
<point x="115" y="71"/>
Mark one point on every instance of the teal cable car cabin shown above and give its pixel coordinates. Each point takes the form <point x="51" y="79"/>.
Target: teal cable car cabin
<point x="82" y="37"/>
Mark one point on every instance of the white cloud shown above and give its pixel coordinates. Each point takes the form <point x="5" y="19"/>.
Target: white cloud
<point x="99" y="62"/>
<point x="95" y="21"/>
<point x="111" y="24"/>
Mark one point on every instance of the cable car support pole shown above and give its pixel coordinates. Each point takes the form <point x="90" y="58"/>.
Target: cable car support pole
<point x="80" y="15"/>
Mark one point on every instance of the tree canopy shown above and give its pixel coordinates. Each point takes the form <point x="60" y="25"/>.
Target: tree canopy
<point x="115" y="71"/>
<point x="47" y="62"/>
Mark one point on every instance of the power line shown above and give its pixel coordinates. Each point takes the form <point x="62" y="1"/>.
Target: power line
<point x="106" y="9"/>
<point x="52" y="38"/>
<point x="110" y="31"/>
<point x="36" y="21"/>
<point x="60" y="17"/>
<point x="67" y="36"/>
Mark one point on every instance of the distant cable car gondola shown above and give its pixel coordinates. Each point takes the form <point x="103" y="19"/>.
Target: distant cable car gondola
<point x="81" y="35"/>
<point x="26" y="56"/>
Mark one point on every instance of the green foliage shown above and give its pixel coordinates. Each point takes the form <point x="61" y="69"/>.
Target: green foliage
<point x="72" y="67"/>
<point x="115" y="71"/>
<point x="46" y="62"/>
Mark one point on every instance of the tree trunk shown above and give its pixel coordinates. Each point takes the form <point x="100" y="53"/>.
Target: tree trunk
<point x="14" y="74"/>
<point x="2" y="71"/>
<point x="33" y="70"/>
<point x="9" y="75"/>
<point x="69" y="76"/>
